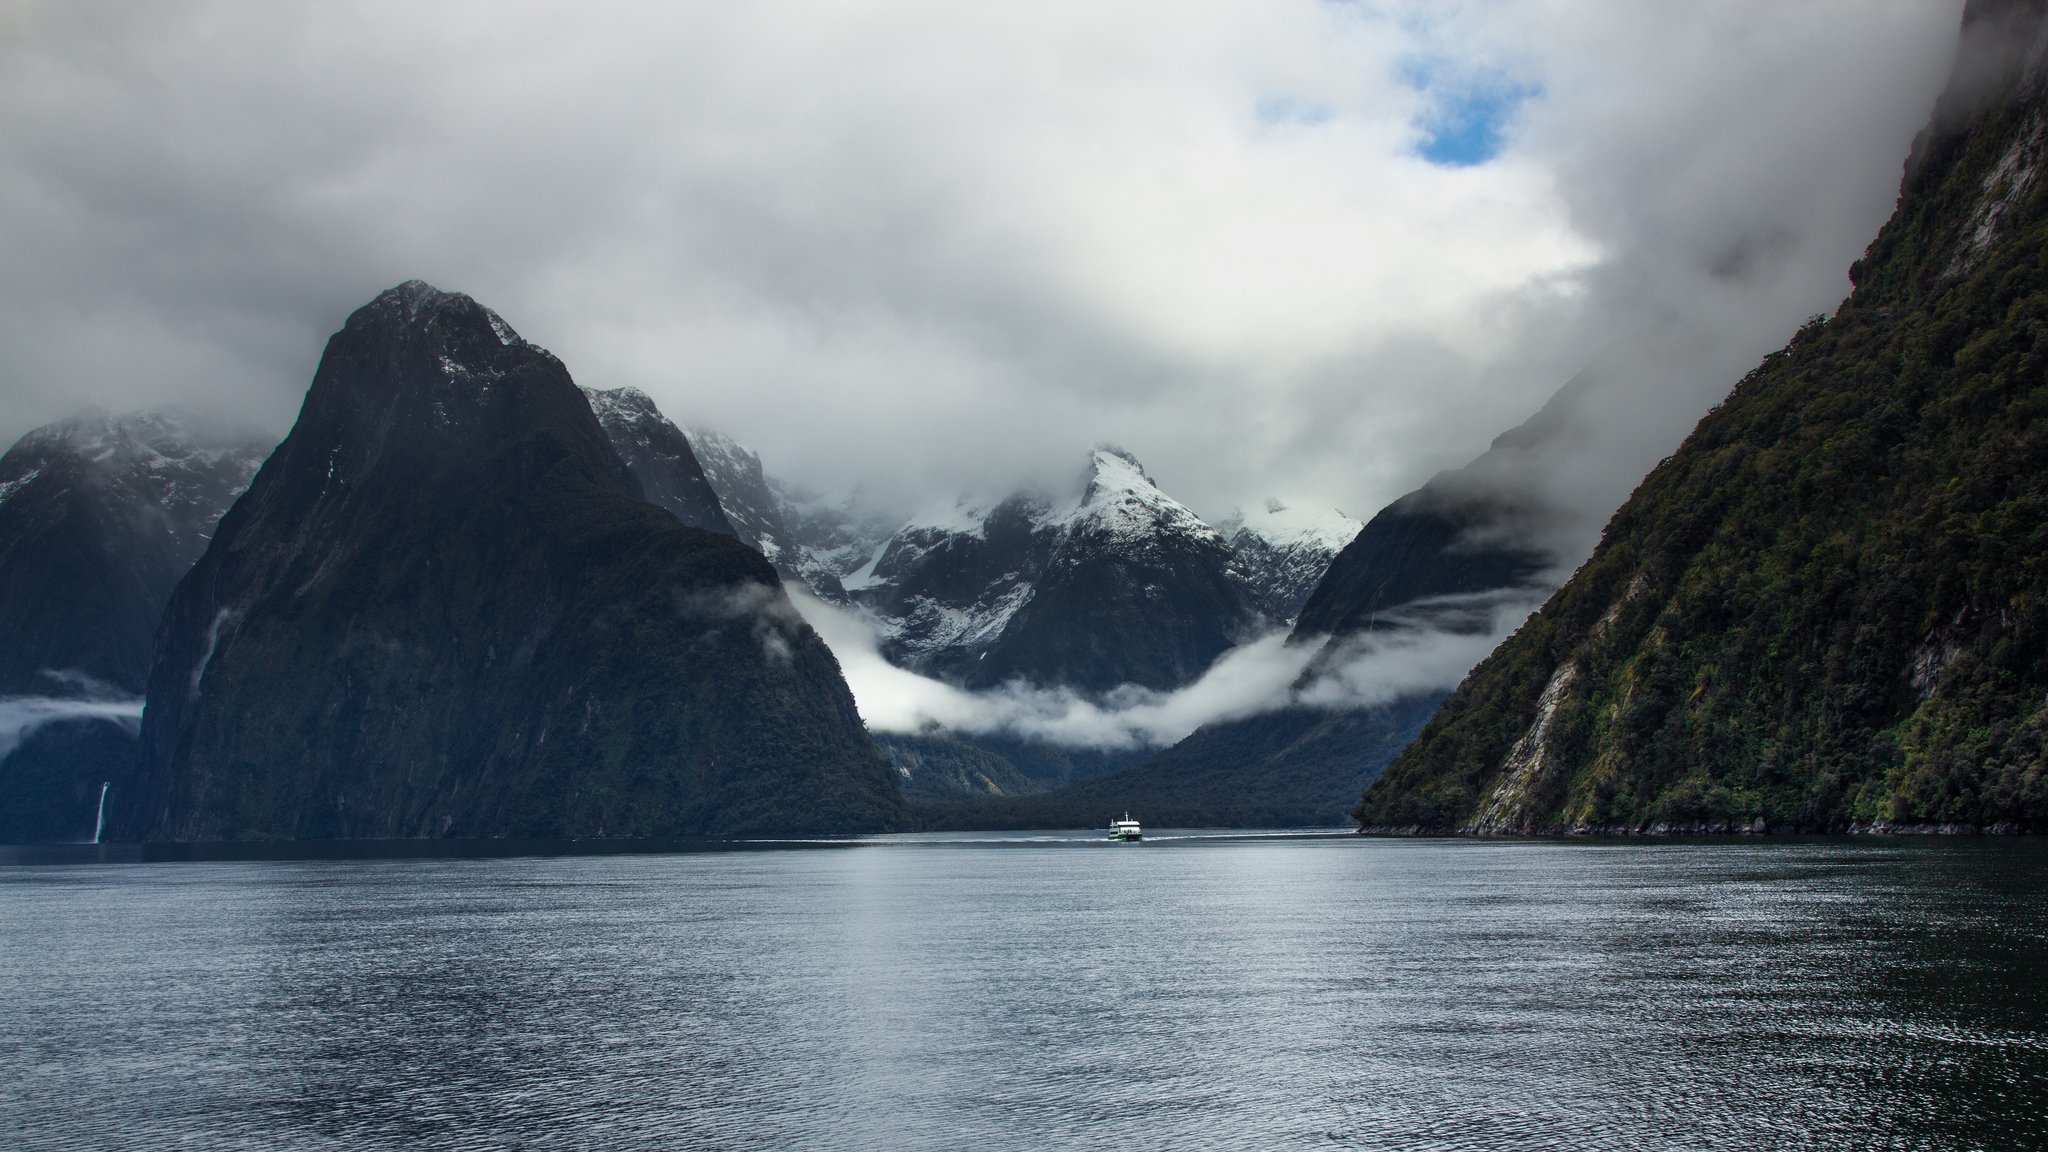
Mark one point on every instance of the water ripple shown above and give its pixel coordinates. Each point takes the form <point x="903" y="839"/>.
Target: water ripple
<point x="1206" y="993"/>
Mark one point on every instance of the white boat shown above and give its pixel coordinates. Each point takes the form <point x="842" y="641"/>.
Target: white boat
<point x="1125" y="829"/>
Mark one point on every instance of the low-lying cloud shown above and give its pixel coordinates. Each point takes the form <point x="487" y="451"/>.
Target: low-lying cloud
<point x="21" y="716"/>
<point x="1423" y="650"/>
<point x="1416" y="649"/>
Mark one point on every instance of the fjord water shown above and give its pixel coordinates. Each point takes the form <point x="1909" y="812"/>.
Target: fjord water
<point x="1014" y="993"/>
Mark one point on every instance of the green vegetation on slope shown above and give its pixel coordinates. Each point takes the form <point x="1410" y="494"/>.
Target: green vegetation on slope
<point x="1830" y="606"/>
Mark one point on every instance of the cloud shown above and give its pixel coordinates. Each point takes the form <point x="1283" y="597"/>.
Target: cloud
<point x="923" y="246"/>
<point x="1425" y="647"/>
<point x="22" y="715"/>
<point x="774" y="622"/>
<point x="1250" y="678"/>
<point x="1420" y="648"/>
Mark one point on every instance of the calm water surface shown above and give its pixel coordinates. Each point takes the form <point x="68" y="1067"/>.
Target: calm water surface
<point x="998" y="993"/>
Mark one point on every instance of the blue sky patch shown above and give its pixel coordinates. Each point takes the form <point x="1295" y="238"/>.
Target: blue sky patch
<point x="1466" y="120"/>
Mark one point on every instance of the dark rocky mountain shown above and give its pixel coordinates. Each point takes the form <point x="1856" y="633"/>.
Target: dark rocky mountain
<point x="99" y="517"/>
<point x="658" y="455"/>
<point x="1457" y="535"/>
<point x="750" y="503"/>
<point x="808" y="538"/>
<point x="444" y="609"/>
<point x="1828" y="608"/>
<point x="1118" y="584"/>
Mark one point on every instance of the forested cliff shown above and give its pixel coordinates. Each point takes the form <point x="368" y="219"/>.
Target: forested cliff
<point x="1829" y="608"/>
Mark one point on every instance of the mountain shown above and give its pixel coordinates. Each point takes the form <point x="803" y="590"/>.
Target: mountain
<point x="809" y="539"/>
<point x="99" y="517"/>
<point x="1284" y="552"/>
<point x="1828" y="609"/>
<point x="443" y="608"/>
<point x="1438" y="566"/>
<point x="1116" y="584"/>
<point x="658" y="455"/>
<point x="940" y="769"/>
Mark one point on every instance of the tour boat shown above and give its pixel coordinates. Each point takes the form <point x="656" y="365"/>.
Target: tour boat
<point x="1125" y="829"/>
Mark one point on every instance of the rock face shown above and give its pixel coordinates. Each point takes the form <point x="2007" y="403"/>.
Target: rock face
<point x="808" y="538"/>
<point x="99" y="517"/>
<point x="1119" y="584"/>
<point x="1284" y="552"/>
<point x="658" y="455"/>
<point x="443" y="609"/>
<point x="1827" y="609"/>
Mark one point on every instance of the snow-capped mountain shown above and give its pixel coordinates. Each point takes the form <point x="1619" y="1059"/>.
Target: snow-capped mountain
<point x="1108" y="583"/>
<point x="1115" y="583"/>
<point x="100" y="516"/>
<point x="1285" y="551"/>
<point x="659" y="456"/>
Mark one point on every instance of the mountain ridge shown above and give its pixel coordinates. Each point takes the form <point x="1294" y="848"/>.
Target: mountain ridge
<point x="1824" y="611"/>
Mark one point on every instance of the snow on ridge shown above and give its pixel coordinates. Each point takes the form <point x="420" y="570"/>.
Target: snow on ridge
<point x="506" y="336"/>
<point x="149" y="440"/>
<point x="624" y="400"/>
<point x="1287" y="528"/>
<point x="1120" y="500"/>
<point x="929" y="626"/>
<point x="9" y="488"/>
<point x="965" y="516"/>
<point x="863" y="578"/>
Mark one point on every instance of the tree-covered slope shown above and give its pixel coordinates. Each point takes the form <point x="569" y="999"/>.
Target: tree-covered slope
<point x="444" y="609"/>
<point x="1295" y="768"/>
<point x="1829" y="607"/>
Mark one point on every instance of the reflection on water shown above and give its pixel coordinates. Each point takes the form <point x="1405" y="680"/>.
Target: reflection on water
<point x="1199" y="993"/>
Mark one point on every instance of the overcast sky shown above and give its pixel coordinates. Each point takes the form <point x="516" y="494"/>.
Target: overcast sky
<point x="1310" y="250"/>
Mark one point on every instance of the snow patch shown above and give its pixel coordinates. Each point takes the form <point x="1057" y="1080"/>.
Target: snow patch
<point x="863" y="578"/>
<point x="8" y="489"/>
<point x="506" y="336"/>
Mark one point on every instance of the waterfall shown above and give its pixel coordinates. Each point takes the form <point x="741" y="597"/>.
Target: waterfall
<point x="100" y="822"/>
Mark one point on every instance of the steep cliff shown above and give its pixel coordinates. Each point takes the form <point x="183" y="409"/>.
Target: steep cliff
<point x="443" y="609"/>
<point x="1828" y="608"/>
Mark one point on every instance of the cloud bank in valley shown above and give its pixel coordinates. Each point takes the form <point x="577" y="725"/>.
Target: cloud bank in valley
<point x="21" y="716"/>
<point x="1425" y="650"/>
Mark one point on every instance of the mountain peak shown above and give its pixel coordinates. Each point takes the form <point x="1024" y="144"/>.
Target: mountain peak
<point x="445" y="608"/>
<point x="419" y="305"/>
<point x="624" y="399"/>
<point x="1112" y="469"/>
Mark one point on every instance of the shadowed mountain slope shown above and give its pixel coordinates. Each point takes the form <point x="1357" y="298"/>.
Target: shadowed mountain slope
<point x="444" y="609"/>
<point x="1828" y="608"/>
<point x="99" y="517"/>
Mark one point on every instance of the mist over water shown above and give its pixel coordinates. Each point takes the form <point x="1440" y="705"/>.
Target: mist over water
<point x="1015" y="992"/>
